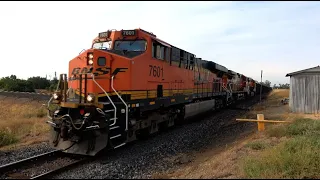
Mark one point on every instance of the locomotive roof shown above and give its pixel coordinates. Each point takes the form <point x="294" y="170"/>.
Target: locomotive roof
<point x="153" y="36"/>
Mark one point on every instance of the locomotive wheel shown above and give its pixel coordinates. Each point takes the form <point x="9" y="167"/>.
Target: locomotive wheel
<point x="164" y="126"/>
<point x="180" y="116"/>
<point x="143" y="134"/>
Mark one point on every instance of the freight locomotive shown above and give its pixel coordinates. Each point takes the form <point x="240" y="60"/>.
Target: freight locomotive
<point x="131" y="84"/>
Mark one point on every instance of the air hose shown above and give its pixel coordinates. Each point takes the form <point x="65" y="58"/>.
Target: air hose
<point x="73" y="125"/>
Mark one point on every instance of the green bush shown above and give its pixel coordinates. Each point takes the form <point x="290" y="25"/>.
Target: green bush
<point x="7" y="138"/>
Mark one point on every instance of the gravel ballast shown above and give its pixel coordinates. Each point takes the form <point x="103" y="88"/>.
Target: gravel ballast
<point x="23" y="153"/>
<point x="158" y="154"/>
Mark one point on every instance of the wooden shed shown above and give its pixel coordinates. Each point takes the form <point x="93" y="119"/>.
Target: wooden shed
<point x="305" y="90"/>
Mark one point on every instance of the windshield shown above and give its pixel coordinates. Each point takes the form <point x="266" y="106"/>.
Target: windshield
<point x="102" y="45"/>
<point x="130" y="45"/>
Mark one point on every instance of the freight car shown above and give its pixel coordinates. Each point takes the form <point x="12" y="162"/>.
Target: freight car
<point x="131" y="84"/>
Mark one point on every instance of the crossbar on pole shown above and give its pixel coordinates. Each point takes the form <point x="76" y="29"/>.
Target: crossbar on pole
<point x="260" y="121"/>
<point x="267" y="121"/>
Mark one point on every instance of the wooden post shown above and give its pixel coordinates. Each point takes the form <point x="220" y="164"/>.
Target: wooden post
<point x="260" y="124"/>
<point x="260" y="87"/>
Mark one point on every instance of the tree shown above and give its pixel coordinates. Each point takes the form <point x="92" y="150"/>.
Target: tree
<point x="267" y="83"/>
<point x="13" y="77"/>
<point x="275" y="86"/>
<point x="12" y="83"/>
<point x="281" y="86"/>
<point x="39" y="82"/>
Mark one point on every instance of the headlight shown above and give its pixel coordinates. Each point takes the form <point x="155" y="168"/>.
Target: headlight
<point x="90" y="98"/>
<point x="90" y="58"/>
<point x="56" y="96"/>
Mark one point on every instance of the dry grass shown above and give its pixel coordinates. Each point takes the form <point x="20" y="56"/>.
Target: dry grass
<point x="257" y="145"/>
<point x="22" y="122"/>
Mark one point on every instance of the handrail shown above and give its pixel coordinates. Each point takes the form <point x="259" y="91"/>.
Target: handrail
<point x="82" y="51"/>
<point x="48" y="112"/>
<point x="48" y="115"/>
<point x="229" y="93"/>
<point x="115" y="108"/>
<point x="224" y="87"/>
<point x="127" y="121"/>
<point x="230" y="87"/>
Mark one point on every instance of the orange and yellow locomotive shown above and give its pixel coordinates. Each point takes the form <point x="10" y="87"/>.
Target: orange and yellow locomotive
<point x="130" y="84"/>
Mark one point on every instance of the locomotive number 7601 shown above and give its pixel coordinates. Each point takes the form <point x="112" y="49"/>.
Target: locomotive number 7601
<point x="156" y="71"/>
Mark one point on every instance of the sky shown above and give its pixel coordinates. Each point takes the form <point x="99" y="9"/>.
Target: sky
<point x="40" y="38"/>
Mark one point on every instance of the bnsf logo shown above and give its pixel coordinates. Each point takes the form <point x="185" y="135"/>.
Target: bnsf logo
<point x="98" y="71"/>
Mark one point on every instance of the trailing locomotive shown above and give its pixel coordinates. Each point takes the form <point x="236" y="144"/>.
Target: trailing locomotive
<point x="130" y="84"/>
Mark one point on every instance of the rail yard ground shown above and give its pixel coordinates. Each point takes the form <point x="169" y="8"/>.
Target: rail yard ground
<point x="215" y="147"/>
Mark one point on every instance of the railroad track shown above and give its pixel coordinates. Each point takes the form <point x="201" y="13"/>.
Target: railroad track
<point x="34" y="96"/>
<point x="41" y="166"/>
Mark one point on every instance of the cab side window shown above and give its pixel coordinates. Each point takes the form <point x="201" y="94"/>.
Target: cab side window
<point x="167" y="53"/>
<point x="175" y="57"/>
<point x="191" y="64"/>
<point x="160" y="51"/>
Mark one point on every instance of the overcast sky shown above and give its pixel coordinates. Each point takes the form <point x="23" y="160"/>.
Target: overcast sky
<point x="39" y="38"/>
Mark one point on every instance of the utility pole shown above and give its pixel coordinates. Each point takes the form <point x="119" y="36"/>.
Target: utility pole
<point x="261" y="87"/>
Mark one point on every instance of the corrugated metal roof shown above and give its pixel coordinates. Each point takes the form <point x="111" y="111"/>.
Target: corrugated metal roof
<point x="309" y="70"/>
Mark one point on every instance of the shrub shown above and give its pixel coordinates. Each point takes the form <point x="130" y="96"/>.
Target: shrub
<point x="7" y="138"/>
